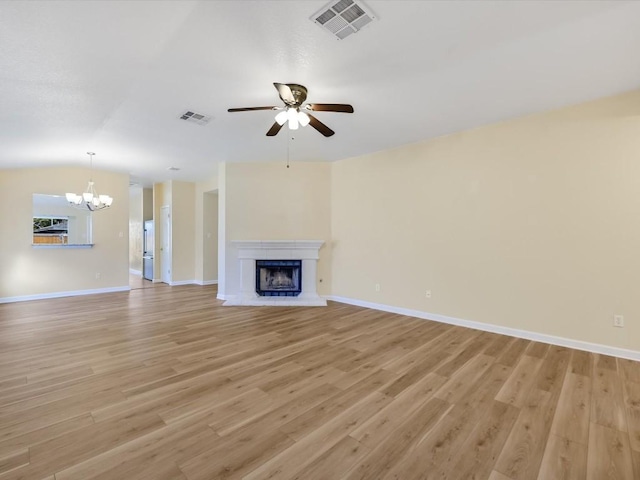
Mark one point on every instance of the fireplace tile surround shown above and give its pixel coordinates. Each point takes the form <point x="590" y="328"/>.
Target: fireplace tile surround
<point x="248" y="251"/>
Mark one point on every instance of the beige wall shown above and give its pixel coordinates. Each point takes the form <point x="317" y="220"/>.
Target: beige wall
<point x="210" y="238"/>
<point x="206" y="230"/>
<point x="140" y="210"/>
<point x="186" y="204"/>
<point x="222" y="230"/>
<point x="28" y="271"/>
<point x="183" y="225"/>
<point x="136" y="205"/>
<point x="267" y="201"/>
<point x="147" y="204"/>
<point x="532" y="224"/>
<point x="158" y="199"/>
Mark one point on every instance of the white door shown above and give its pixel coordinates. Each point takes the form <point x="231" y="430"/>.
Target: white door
<point x="165" y="245"/>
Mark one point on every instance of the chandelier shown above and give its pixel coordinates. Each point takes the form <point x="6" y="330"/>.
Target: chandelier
<point x="90" y="198"/>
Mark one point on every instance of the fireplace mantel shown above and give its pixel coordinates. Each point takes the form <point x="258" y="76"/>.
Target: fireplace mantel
<point x="251" y="250"/>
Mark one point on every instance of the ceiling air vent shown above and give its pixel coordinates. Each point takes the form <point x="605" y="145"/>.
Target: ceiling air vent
<point x="343" y="18"/>
<point x="195" y="118"/>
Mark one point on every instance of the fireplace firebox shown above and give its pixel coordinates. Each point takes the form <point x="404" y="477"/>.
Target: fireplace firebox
<point x="278" y="278"/>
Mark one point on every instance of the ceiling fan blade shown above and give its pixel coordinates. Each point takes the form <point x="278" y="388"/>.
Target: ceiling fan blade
<point x="248" y="109"/>
<point x="273" y="131"/>
<point x="330" y="107"/>
<point x="319" y="126"/>
<point x="286" y="95"/>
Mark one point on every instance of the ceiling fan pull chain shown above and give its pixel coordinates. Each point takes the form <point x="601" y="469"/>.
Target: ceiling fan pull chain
<point x="288" y="143"/>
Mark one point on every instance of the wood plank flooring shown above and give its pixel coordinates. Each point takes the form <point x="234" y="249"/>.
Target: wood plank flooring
<point x="165" y="383"/>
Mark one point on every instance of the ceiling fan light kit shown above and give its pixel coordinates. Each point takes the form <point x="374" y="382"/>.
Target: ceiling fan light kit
<point x="292" y="117"/>
<point x="295" y="111"/>
<point x="303" y="119"/>
<point x="282" y="117"/>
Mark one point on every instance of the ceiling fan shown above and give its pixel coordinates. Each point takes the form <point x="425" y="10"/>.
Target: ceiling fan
<point x="295" y="112"/>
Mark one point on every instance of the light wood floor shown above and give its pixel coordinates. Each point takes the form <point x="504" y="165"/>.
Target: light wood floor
<point x="164" y="383"/>
<point x="137" y="281"/>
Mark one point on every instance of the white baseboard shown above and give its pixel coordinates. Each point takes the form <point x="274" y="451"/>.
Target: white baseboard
<point x="135" y="272"/>
<point x="487" y="327"/>
<point x="187" y="282"/>
<point x="73" y="293"/>
<point x="193" y="282"/>
<point x="182" y="282"/>
<point x="225" y="297"/>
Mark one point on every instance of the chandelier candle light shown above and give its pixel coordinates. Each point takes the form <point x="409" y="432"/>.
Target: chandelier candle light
<point x="90" y="198"/>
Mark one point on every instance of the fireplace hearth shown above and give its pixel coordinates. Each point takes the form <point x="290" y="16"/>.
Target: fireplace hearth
<point x="278" y="278"/>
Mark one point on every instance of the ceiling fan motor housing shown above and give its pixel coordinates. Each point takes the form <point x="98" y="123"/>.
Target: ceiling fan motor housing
<point x="299" y="93"/>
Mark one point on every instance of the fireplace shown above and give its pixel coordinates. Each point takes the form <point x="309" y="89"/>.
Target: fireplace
<point x="279" y="284"/>
<point x="278" y="278"/>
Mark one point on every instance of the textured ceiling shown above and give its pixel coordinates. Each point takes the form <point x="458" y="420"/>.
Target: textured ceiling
<point x="114" y="77"/>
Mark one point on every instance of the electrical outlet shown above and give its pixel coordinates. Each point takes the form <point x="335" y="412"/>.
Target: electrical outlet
<point x="427" y="293"/>
<point x="618" y="321"/>
<point x="377" y="287"/>
<point x="97" y="275"/>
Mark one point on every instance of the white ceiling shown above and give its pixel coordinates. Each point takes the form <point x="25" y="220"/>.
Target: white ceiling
<point x="114" y="76"/>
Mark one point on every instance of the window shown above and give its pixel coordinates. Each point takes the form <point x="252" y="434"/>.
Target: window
<point x="58" y="224"/>
<point x="51" y="230"/>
